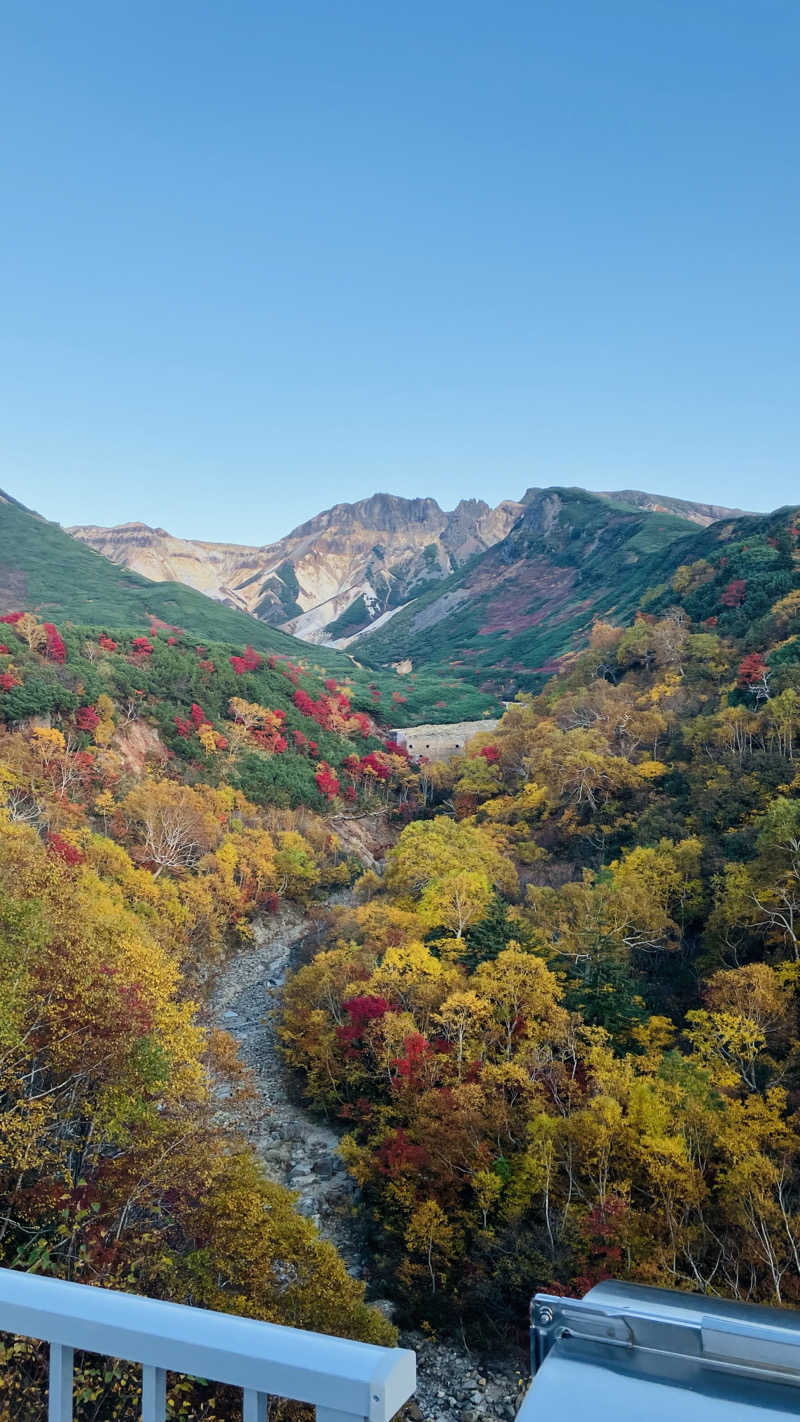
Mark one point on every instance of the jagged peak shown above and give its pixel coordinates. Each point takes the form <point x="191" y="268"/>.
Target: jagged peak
<point x="383" y="512"/>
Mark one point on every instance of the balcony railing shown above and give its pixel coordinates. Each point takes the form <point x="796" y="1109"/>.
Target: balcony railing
<point x="343" y="1380"/>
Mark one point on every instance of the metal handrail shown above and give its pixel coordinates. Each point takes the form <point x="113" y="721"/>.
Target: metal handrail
<point x="628" y="1351"/>
<point x="344" y="1380"/>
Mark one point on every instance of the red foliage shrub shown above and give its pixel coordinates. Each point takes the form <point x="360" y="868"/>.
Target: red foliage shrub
<point x="327" y="780"/>
<point x="58" y="846"/>
<point x="416" y="1049"/>
<point x="54" y="647"/>
<point x="397" y="1154"/>
<point x="304" y="702"/>
<point x="247" y="662"/>
<point x="395" y="748"/>
<point x="86" y="718"/>
<point x="751" y="669"/>
<point x="733" y="593"/>
<point x="372" y="764"/>
<point x="269" y="740"/>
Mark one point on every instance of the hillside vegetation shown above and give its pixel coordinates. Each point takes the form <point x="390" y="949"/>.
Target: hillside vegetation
<point x="43" y="570"/>
<point x="563" y="1027"/>
<point x="156" y="798"/>
<point x="517" y="613"/>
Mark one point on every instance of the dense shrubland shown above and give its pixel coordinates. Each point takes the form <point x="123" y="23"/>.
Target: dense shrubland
<point x="562" y="1027"/>
<point x="132" y="863"/>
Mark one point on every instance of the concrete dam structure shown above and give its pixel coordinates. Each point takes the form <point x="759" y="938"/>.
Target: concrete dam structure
<point x="440" y="742"/>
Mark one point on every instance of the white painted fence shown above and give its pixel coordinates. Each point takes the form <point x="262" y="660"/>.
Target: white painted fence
<point x="343" y="1380"/>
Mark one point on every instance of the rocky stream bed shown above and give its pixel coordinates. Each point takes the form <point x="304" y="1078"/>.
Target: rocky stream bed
<point x="300" y="1151"/>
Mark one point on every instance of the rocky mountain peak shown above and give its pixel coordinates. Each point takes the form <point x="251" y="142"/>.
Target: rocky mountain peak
<point x="353" y="566"/>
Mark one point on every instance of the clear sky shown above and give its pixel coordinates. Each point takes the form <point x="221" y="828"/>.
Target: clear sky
<point x="259" y="256"/>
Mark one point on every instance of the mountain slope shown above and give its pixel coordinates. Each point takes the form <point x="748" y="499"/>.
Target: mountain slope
<point x="43" y="569"/>
<point x="332" y="576"/>
<point x="515" y="612"/>
<point x="349" y="569"/>
<point x="702" y="514"/>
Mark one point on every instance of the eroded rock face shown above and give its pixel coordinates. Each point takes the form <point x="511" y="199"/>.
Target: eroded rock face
<point x="137" y="743"/>
<point x="331" y="577"/>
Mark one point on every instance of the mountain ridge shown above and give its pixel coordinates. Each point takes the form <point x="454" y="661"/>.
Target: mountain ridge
<point x="374" y="553"/>
<point x="516" y="613"/>
<point x="352" y="566"/>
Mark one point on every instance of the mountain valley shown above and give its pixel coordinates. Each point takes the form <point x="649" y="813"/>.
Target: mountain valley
<point x="531" y="999"/>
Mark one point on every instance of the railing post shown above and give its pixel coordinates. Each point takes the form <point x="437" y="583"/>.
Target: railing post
<point x="154" y="1394"/>
<point x="59" y="1389"/>
<point x="329" y="1414"/>
<point x="254" y="1406"/>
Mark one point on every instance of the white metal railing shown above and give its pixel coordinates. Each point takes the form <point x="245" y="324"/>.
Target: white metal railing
<point x="345" y="1381"/>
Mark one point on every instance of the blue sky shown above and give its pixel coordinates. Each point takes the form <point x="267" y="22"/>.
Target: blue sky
<point x="257" y="258"/>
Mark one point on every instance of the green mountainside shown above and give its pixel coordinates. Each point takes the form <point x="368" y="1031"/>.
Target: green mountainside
<point x="511" y="617"/>
<point x="46" y="571"/>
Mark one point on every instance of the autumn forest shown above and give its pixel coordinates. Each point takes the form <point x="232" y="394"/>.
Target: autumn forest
<point x="555" y="1022"/>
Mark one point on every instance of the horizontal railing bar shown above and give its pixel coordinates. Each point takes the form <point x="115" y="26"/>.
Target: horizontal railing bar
<point x="361" y="1379"/>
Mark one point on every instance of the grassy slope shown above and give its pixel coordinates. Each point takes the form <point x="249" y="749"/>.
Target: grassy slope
<point x="44" y="569"/>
